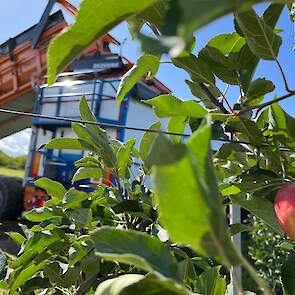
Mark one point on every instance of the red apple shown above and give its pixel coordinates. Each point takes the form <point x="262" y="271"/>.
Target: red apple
<point x="285" y="209"/>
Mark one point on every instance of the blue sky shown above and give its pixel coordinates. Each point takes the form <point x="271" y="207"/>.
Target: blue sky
<point x="18" y="15"/>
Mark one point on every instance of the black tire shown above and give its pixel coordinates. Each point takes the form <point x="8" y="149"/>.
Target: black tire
<point x="11" y="197"/>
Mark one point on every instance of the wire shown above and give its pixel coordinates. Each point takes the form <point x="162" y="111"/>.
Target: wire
<point x="118" y="126"/>
<point x="110" y="125"/>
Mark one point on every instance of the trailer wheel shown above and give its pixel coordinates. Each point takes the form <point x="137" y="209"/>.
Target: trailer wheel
<point x="11" y="197"/>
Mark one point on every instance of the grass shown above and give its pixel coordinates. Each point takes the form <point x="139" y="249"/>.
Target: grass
<point x="11" y="172"/>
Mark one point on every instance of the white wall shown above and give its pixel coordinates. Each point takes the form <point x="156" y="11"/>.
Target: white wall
<point x="139" y="115"/>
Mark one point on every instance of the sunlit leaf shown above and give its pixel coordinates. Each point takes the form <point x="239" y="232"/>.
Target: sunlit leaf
<point x="227" y="43"/>
<point x="146" y="64"/>
<point x="124" y="155"/>
<point x="202" y="223"/>
<point x="53" y="188"/>
<point x="167" y="105"/>
<point x="87" y="172"/>
<point x="40" y="214"/>
<point x="147" y="140"/>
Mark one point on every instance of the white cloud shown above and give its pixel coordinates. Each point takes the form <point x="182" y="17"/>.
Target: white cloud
<point x="16" y="144"/>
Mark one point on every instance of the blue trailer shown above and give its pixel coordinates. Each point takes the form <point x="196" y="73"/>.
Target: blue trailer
<point x="98" y="83"/>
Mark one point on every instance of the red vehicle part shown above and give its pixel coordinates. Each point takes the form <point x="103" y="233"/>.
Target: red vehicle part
<point x="21" y="63"/>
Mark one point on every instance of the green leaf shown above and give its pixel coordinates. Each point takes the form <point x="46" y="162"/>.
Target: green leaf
<point x="77" y="252"/>
<point x="187" y="270"/>
<point x="26" y="274"/>
<point x="72" y="277"/>
<point x="53" y="188"/>
<point x="67" y="144"/>
<point x="131" y="284"/>
<point x="135" y="248"/>
<point x="117" y="285"/>
<point x="147" y="140"/>
<point x="40" y="214"/>
<point x="94" y="19"/>
<point x="174" y="46"/>
<point x="124" y="155"/>
<point x="238" y="228"/>
<point x="177" y="125"/>
<point x="88" y="162"/>
<point x="199" y="92"/>
<point x="196" y="68"/>
<point x="94" y="130"/>
<point x="220" y="65"/>
<point x="81" y="217"/>
<point x="4" y="285"/>
<point x="191" y="212"/>
<point x="197" y="220"/>
<point x="37" y="243"/>
<point x="97" y="141"/>
<point x="261" y="38"/>
<point x="257" y="90"/>
<point x="162" y="152"/>
<point x="136" y="208"/>
<point x="156" y="285"/>
<point x="153" y="15"/>
<point x="145" y="64"/>
<point x="94" y="135"/>
<point x="81" y="131"/>
<point x="167" y="105"/>
<point x="87" y="172"/>
<point x="229" y="150"/>
<point x="35" y="283"/>
<point x="87" y="115"/>
<point x="272" y="14"/>
<point x="245" y="129"/>
<point x="73" y="198"/>
<point x="211" y="283"/>
<point x="229" y="190"/>
<point x="53" y="272"/>
<point x="90" y="264"/>
<point x="282" y="125"/>
<point x="247" y="61"/>
<point x="227" y="43"/>
<point x="17" y="237"/>
<point x="260" y="207"/>
<point x="288" y="276"/>
<point x="24" y="259"/>
<point x="192" y="109"/>
<point x="185" y="16"/>
<point x="216" y="242"/>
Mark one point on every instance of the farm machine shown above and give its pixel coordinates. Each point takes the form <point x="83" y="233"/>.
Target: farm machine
<point x="23" y="87"/>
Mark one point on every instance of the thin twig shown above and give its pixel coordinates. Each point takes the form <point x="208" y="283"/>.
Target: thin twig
<point x="283" y="76"/>
<point x="226" y="101"/>
<point x="213" y="99"/>
<point x="268" y="103"/>
<point x="226" y="89"/>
